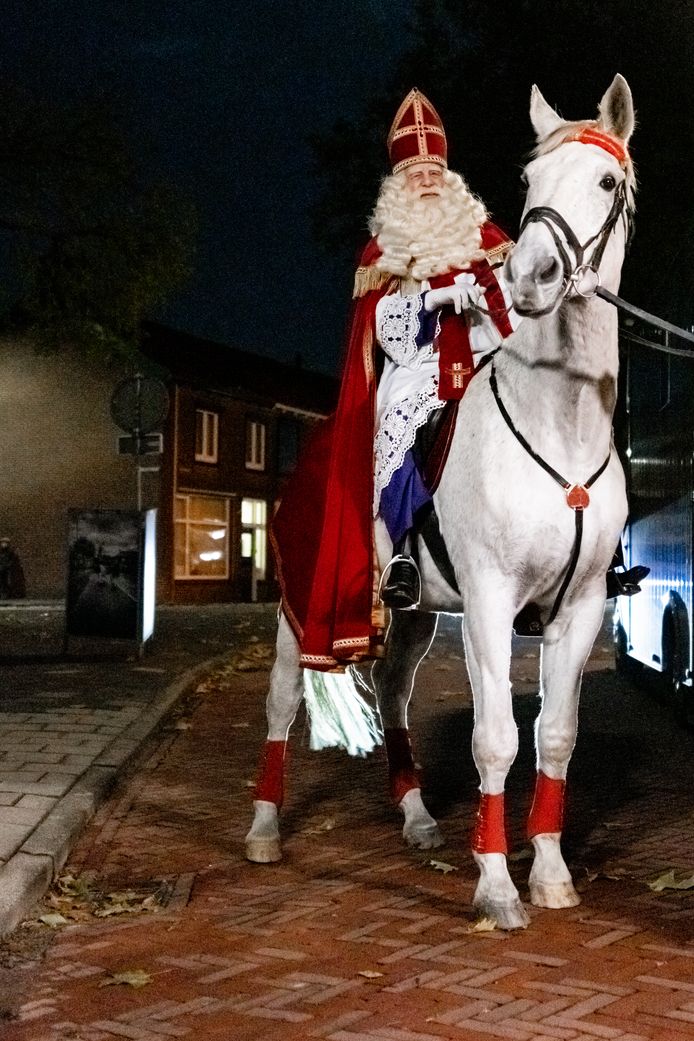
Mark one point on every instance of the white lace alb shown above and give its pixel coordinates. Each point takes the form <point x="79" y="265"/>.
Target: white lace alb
<point x="398" y="329"/>
<point x="397" y="432"/>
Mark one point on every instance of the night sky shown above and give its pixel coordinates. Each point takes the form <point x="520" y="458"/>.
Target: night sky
<point x="220" y="97"/>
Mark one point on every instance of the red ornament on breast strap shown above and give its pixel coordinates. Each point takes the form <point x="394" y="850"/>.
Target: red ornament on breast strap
<point x="577" y="497"/>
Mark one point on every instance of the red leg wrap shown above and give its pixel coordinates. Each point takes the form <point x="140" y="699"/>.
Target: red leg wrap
<point x="547" y="812"/>
<point x="270" y="784"/>
<point x="402" y="774"/>
<point x="489" y="835"/>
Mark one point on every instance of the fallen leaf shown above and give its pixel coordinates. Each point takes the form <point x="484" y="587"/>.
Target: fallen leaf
<point x="369" y="974"/>
<point x="111" y="909"/>
<point x="440" y="865"/>
<point x="239" y="726"/>
<point x="671" y="880"/>
<point x="70" y="886"/>
<point x="130" y="978"/>
<point x="183" y="725"/>
<point x="53" y="920"/>
<point x="521" y="854"/>
<point x="483" y="925"/>
<point x="317" y="829"/>
<point x="249" y="784"/>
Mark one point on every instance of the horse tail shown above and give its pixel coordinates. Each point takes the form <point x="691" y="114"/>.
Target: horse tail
<point x="340" y="716"/>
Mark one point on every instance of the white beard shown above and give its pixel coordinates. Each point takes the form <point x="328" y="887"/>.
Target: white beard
<point x="421" y="238"/>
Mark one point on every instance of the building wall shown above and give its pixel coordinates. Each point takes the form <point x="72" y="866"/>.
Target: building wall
<point x="228" y="480"/>
<point x="57" y="452"/>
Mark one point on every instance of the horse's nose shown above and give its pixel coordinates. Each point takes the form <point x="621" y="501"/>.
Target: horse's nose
<point x="534" y="273"/>
<point x="550" y="271"/>
<point x="538" y="268"/>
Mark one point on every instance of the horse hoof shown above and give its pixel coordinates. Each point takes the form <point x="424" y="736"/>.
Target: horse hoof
<point x="553" y="894"/>
<point x="423" y="836"/>
<point x="263" y="851"/>
<point x="506" y="916"/>
<point x="263" y="840"/>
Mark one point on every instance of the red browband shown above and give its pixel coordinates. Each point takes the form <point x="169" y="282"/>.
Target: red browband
<point x="593" y="136"/>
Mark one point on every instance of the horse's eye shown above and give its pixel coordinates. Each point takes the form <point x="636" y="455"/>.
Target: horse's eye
<point x="608" y="183"/>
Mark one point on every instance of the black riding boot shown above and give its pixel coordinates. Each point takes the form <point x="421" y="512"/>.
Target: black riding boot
<point x="401" y="584"/>
<point x="623" y="582"/>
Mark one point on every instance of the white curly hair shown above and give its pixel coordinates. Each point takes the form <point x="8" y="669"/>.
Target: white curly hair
<point x="421" y="238"/>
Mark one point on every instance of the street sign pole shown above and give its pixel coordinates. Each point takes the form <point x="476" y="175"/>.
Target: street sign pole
<point x="139" y="405"/>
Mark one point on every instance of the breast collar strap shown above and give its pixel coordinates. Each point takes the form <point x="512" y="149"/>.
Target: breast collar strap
<point x="577" y="497"/>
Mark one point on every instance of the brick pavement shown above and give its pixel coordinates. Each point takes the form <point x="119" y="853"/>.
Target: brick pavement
<point x="353" y="937"/>
<point x="70" y="723"/>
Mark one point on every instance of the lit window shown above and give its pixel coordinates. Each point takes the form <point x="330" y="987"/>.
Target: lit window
<point x="201" y="540"/>
<point x="254" y="534"/>
<point x="206" y="436"/>
<point x="255" y="445"/>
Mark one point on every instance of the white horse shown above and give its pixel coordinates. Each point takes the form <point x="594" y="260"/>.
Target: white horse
<point x="514" y="535"/>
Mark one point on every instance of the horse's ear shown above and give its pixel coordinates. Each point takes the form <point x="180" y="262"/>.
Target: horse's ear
<point x="542" y="116"/>
<point x="617" y="109"/>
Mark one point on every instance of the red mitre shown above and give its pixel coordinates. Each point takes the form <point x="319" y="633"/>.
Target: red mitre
<point x="417" y="134"/>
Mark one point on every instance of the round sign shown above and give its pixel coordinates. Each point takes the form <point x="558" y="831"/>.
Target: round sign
<point x="140" y="404"/>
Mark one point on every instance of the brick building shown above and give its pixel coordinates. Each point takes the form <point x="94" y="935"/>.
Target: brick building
<point x="235" y="424"/>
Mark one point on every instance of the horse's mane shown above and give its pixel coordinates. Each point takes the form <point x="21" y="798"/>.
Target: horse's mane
<point x="558" y="136"/>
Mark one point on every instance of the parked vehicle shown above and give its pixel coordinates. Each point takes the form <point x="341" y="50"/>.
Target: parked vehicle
<point x="653" y="629"/>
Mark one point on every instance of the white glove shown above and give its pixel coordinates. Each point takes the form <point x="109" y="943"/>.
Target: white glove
<point x="461" y="295"/>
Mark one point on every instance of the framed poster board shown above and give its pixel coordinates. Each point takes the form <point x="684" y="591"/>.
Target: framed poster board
<point x="111" y="574"/>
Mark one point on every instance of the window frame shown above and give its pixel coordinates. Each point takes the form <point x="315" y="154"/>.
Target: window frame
<point x="259" y="529"/>
<point x="208" y="419"/>
<point x="185" y="523"/>
<point x="256" y="446"/>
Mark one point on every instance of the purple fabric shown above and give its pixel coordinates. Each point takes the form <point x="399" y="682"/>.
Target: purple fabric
<point x="427" y="324"/>
<point x="405" y="493"/>
<point x="401" y="498"/>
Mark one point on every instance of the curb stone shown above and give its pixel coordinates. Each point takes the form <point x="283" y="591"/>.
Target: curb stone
<point x="29" y="872"/>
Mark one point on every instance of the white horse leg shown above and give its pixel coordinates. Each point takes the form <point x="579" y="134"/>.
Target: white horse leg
<point x="494" y="748"/>
<point x="563" y="658"/>
<point x="409" y="638"/>
<point x="286" y="691"/>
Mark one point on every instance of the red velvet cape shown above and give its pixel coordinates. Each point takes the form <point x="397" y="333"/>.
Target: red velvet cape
<point x="322" y="533"/>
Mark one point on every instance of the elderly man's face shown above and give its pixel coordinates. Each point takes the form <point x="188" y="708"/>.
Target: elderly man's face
<point x="424" y="180"/>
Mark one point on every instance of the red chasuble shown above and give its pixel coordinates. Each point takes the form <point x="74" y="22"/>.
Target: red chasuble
<point x="322" y="534"/>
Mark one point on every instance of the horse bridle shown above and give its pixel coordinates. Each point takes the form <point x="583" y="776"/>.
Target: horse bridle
<point x="575" y="272"/>
<point x="577" y="497"/>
